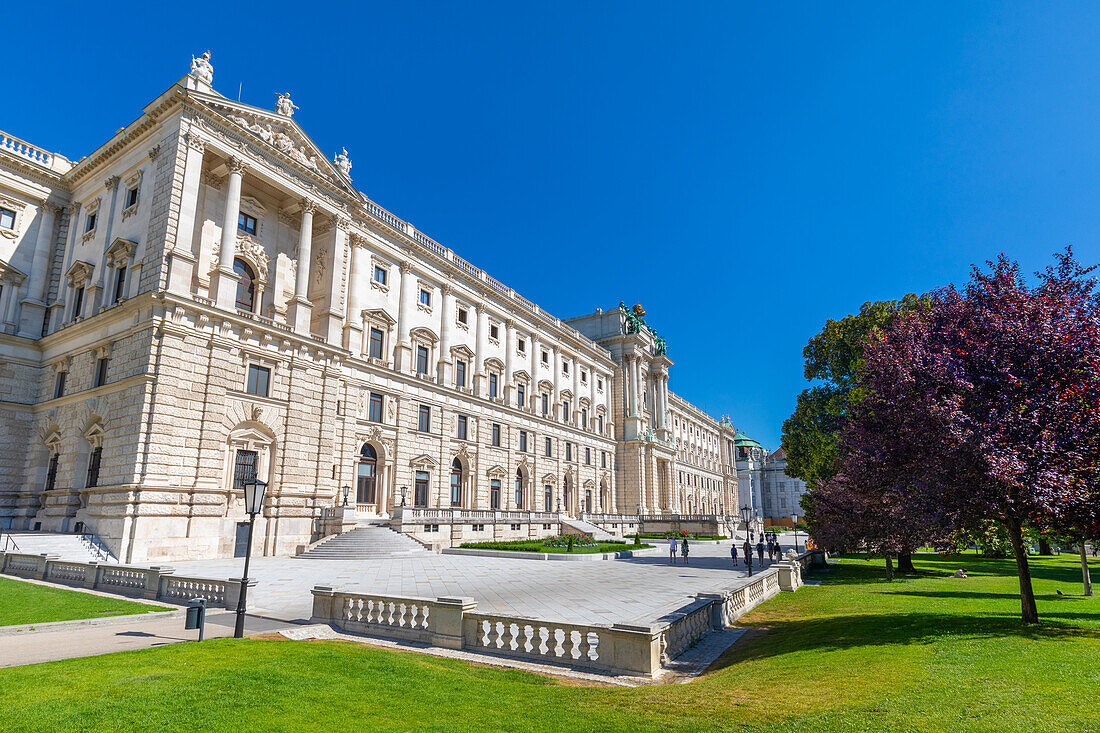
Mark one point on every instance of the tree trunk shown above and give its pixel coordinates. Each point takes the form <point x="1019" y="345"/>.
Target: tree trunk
<point x="1028" y="612"/>
<point x="1044" y="547"/>
<point x="889" y="568"/>
<point x="905" y="562"/>
<point x="1086" y="577"/>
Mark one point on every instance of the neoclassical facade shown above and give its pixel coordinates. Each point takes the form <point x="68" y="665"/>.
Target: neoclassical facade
<point x="207" y="297"/>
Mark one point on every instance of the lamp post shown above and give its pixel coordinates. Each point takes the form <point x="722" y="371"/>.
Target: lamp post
<point x="746" y="515"/>
<point x="347" y="490"/>
<point x="254" y="489"/>
<point x="404" y="493"/>
<point x="794" y="522"/>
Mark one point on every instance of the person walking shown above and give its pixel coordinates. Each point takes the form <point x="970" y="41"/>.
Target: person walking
<point x="760" y="552"/>
<point x="671" y="550"/>
<point x="748" y="560"/>
<point x="684" y="550"/>
<point x="733" y="553"/>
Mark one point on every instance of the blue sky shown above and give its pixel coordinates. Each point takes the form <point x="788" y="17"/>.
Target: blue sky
<point x="745" y="171"/>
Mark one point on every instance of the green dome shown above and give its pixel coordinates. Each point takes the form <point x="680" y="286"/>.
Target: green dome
<point x="741" y="439"/>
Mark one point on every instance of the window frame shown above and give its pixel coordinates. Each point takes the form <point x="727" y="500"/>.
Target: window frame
<point x="424" y="419"/>
<point x="252" y="380"/>
<point x="375" y="400"/>
<point x="243" y="221"/>
<point x="371" y="342"/>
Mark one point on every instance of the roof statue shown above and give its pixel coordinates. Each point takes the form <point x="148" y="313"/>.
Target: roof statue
<point x="284" y="106"/>
<point x="202" y="69"/>
<point x="343" y="162"/>
<point x="635" y="317"/>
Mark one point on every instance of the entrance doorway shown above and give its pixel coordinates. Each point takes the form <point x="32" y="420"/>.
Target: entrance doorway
<point x="366" y="481"/>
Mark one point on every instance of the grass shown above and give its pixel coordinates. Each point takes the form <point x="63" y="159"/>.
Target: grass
<point x="924" y="653"/>
<point x="28" y="603"/>
<point x="538" y="546"/>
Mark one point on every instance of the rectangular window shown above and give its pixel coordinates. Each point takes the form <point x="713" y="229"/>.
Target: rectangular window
<point x="420" y="497"/>
<point x="120" y="283"/>
<point x="603" y="459"/>
<point x="493" y="385"/>
<point x="100" y="373"/>
<point x="51" y="473"/>
<point x="548" y="501"/>
<point x="462" y="427"/>
<point x="599" y="384"/>
<point x="521" y="345"/>
<point x="568" y="451"/>
<point x="565" y="367"/>
<point x="380" y="275"/>
<point x="421" y="360"/>
<point x="599" y="423"/>
<point x="425" y="297"/>
<point x="59" y="385"/>
<point x="374" y="409"/>
<point x="424" y="419"/>
<point x="259" y="380"/>
<point x="545" y="404"/>
<point x="584" y="376"/>
<point x="89" y="223"/>
<point x="523" y="441"/>
<point x="588" y="456"/>
<point x="246" y="223"/>
<point x="131" y="197"/>
<point x="494" y="331"/>
<point x="565" y="412"/>
<point x="496" y="434"/>
<point x="375" y="343"/>
<point x="460" y="374"/>
<point x="78" y="303"/>
<point x="584" y="418"/>
<point x="464" y="316"/>
<point x="494" y="494"/>
<point x="7" y="219"/>
<point x="94" y="459"/>
<point x="548" y="446"/>
<point x="244" y="468"/>
<point x="521" y="396"/>
<point x="545" y="356"/>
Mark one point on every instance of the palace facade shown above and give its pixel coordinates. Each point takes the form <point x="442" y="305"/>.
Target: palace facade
<point x="207" y="298"/>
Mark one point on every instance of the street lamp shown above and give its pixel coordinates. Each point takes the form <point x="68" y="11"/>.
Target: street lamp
<point x="404" y="493"/>
<point x="746" y="515"/>
<point x="254" y="489"/>
<point x="794" y="522"/>
<point x="347" y="490"/>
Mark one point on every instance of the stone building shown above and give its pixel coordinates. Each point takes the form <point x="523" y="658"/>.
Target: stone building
<point x="782" y="493"/>
<point x="207" y="297"/>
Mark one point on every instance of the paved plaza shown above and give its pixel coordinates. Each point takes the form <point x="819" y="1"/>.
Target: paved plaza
<point x="638" y="590"/>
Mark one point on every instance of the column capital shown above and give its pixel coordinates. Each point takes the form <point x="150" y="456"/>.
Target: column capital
<point x="195" y="142"/>
<point x="308" y="207"/>
<point x="343" y="222"/>
<point x="111" y="183"/>
<point x="237" y="165"/>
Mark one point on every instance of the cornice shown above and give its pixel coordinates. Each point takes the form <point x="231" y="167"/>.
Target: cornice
<point x="149" y="119"/>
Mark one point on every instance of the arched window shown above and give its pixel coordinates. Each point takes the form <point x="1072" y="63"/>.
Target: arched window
<point x="246" y="288"/>
<point x="367" y="471"/>
<point x="456" y="483"/>
<point x="519" y="489"/>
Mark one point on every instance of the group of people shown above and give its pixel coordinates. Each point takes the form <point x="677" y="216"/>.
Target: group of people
<point x="767" y="543"/>
<point x="673" y="543"/>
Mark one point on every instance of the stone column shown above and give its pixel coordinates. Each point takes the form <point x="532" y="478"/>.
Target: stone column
<point x="93" y="293"/>
<point x="557" y="384"/>
<point x="575" y="417"/>
<point x="482" y="350"/>
<point x="300" y="313"/>
<point x="183" y="260"/>
<point x="533" y="387"/>
<point x="660" y="399"/>
<point x="445" y="339"/>
<point x="224" y="290"/>
<point x="34" y="305"/>
<point x="509" y="349"/>
<point x="353" y="320"/>
<point x="402" y="357"/>
<point x="332" y="319"/>
<point x="57" y="308"/>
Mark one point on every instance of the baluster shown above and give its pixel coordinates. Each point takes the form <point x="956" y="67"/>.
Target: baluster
<point x="543" y="637"/>
<point x="583" y="647"/>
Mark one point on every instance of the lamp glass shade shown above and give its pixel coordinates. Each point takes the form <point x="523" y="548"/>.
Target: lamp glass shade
<point x="254" y="495"/>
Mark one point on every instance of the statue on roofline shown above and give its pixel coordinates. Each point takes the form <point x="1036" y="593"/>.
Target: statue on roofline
<point x="284" y="106"/>
<point x="202" y="69"/>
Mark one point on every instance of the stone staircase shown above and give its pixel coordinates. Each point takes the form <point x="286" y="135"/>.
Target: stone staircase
<point x="582" y="526"/>
<point x="366" y="542"/>
<point x="66" y="546"/>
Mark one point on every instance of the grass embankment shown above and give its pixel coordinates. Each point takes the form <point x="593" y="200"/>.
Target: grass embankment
<point x="28" y="603"/>
<point x="538" y="546"/>
<point x="925" y="653"/>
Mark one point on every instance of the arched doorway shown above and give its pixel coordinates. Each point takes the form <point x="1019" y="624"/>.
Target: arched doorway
<point x="520" y="493"/>
<point x="456" y="482"/>
<point x="366" y="480"/>
<point x="246" y="286"/>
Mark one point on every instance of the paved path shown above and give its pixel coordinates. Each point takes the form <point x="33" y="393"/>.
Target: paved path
<point x="141" y="633"/>
<point x="638" y="590"/>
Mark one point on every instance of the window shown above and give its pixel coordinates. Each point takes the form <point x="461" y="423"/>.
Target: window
<point x="548" y="499"/>
<point x="420" y="495"/>
<point x="94" y="460"/>
<point x="366" y="474"/>
<point x="78" y="302"/>
<point x="246" y="223"/>
<point x="548" y="446"/>
<point x="100" y="373"/>
<point x="374" y="407"/>
<point x="424" y="419"/>
<point x="496" y="434"/>
<point x="131" y="197"/>
<point x="89" y="222"/>
<point x="584" y="418"/>
<point x="568" y="451"/>
<point x="460" y="373"/>
<point x="464" y="316"/>
<point x="456" y="482"/>
<point x="599" y="384"/>
<point x="7" y="219"/>
<point x="545" y="356"/>
<point x="565" y="367"/>
<point x="494" y="494"/>
<point x="588" y="456"/>
<point x="523" y="441"/>
<point x="584" y="376"/>
<point x="259" y="380"/>
<point x="493" y="384"/>
<point x="120" y="283"/>
<point x="462" y="427"/>
<point x="59" y="385"/>
<point x="494" y="331"/>
<point x="599" y="423"/>
<point x="521" y="396"/>
<point x="244" y="468"/>
<point x="425" y="297"/>
<point x="521" y="345"/>
<point x="51" y="472"/>
<point x="421" y="359"/>
<point x="246" y="285"/>
<point x="380" y="274"/>
<point x="603" y="459"/>
<point x="565" y="413"/>
<point x="519" y="490"/>
<point x="545" y="404"/>
<point x="375" y="343"/>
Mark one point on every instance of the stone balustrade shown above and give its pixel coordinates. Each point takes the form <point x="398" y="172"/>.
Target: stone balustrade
<point x="155" y="583"/>
<point x="447" y="515"/>
<point x="34" y="154"/>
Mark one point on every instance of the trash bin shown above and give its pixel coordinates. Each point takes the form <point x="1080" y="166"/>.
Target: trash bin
<point x="196" y="615"/>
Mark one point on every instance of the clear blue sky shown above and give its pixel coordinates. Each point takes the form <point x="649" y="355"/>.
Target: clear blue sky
<point x="745" y="171"/>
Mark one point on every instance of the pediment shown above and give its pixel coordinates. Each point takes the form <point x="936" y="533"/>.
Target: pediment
<point x="521" y="375"/>
<point x="11" y="274"/>
<point x="280" y="133"/>
<point x="462" y="351"/>
<point x="496" y="472"/>
<point x="423" y="461"/>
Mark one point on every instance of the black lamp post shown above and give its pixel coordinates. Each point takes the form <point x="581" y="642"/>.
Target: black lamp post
<point x="746" y="515"/>
<point x="347" y="490"/>
<point x="254" y="489"/>
<point x="404" y="493"/>
<point x="794" y="523"/>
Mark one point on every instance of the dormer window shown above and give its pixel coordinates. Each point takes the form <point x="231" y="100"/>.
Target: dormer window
<point x="246" y="223"/>
<point x="7" y="219"/>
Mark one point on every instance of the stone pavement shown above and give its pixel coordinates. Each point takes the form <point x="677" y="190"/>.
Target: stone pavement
<point x="638" y="590"/>
<point x="84" y="641"/>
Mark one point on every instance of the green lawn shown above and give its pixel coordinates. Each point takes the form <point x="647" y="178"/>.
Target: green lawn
<point x="28" y="603"/>
<point x="538" y="546"/>
<point x="925" y="653"/>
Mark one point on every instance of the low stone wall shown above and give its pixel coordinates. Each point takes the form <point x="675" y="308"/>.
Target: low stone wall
<point x="711" y="525"/>
<point x="444" y="527"/>
<point x="154" y="584"/>
<point x="562" y="556"/>
<point x="618" y="649"/>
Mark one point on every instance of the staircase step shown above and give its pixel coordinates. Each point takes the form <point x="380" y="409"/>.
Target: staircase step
<point x="368" y="541"/>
